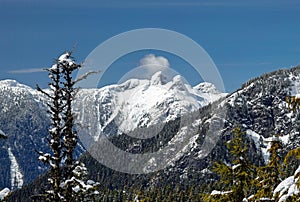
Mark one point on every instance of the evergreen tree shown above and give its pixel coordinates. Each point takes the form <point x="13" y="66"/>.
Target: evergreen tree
<point x="291" y="161"/>
<point x="269" y="176"/>
<point x="235" y="179"/>
<point x="66" y="174"/>
<point x="55" y="139"/>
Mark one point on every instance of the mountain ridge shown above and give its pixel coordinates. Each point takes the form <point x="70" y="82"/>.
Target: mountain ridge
<point x="258" y="108"/>
<point x="18" y="99"/>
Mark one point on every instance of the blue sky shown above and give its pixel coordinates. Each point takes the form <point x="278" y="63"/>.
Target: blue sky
<point x="244" y="38"/>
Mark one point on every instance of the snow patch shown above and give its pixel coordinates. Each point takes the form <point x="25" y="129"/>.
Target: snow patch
<point x="236" y="166"/>
<point x="15" y="171"/>
<point x="215" y="192"/>
<point x="285" y="139"/>
<point x="4" y="192"/>
<point x="65" y="59"/>
<point x="287" y="187"/>
<point x="295" y="88"/>
<point x="205" y="171"/>
<point x="264" y="144"/>
<point x="255" y="137"/>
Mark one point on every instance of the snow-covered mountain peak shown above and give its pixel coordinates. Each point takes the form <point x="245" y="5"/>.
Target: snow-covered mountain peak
<point x="178" y="83"/>
<point x="158" y="79"/>
<point x="206" y="87"/>
<point x="136" y="103"/>
<point x="127" y="85"/>
<point x="9" y="83"/>
<point x="13" y="87"/>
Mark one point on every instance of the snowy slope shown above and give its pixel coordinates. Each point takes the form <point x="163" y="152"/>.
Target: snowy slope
<point x="288" y="187"/>
<point x="111" y="110"/>
<point x="259" y="108"/>
<point x="208" y="91"/>
<point x="24" y="120"/>
<point x="140" y="103"/>
<point x="3" y="193"/>
<point x="15" y="171"/>
<point x="19" y="89"/>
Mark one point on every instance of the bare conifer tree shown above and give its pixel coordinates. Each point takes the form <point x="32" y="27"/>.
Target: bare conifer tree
<point x="66" y="174"/>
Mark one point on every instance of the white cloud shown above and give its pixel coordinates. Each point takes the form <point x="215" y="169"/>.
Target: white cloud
<point x="26" y="71"/>
<point x="152" y="61"/>
<point x="149" y="65"/>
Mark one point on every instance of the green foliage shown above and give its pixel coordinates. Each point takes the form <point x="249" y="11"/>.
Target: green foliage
<point x="235" y="179"/>
<point x="291" y="159"/>
<point x="226" y="174"/>
<point x="269" y="176"/>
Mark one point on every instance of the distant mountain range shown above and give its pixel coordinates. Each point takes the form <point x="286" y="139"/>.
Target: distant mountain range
<point x="112" y="110"/>
<point x="258" y="108"/>
<point x="118" y="109"/>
